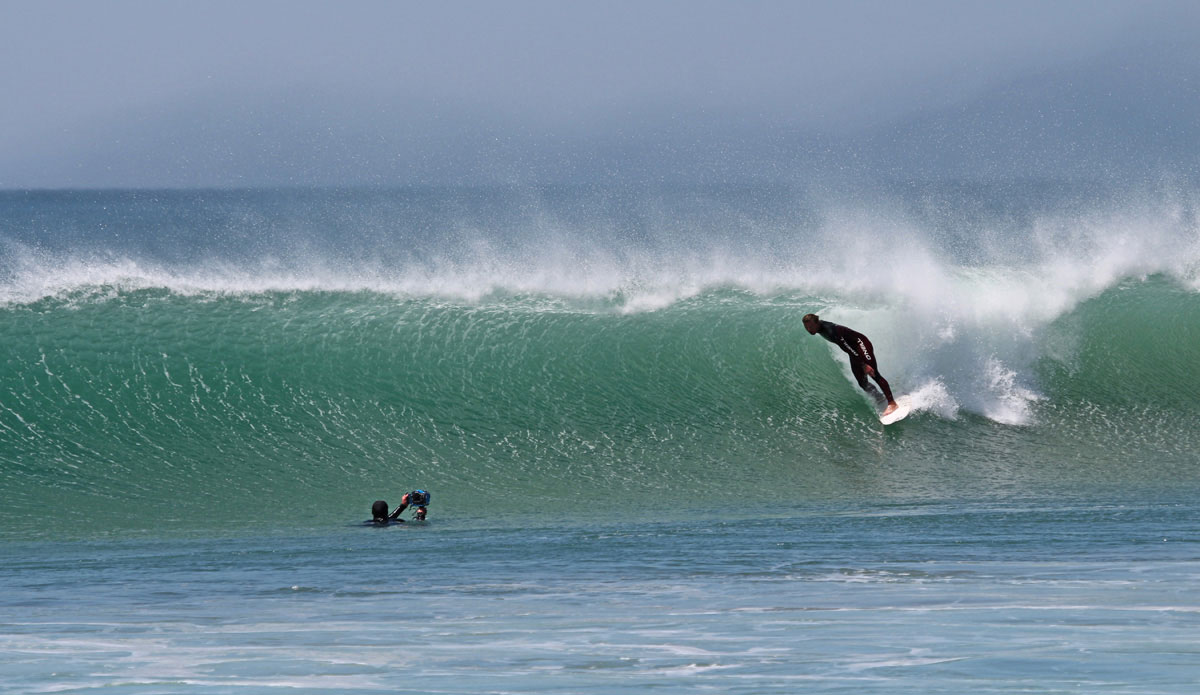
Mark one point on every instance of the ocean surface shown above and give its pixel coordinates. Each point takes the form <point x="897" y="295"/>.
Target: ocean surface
<point x="646" y="475"/>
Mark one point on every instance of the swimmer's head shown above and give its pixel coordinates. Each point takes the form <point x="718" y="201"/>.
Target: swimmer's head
<point x="379" y="511"/>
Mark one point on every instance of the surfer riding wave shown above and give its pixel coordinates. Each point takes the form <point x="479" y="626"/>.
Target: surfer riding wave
<point x="862" y="357"/>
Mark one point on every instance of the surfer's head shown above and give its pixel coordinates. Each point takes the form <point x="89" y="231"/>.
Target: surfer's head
<point x="379" y="511"/>
<point x="812" y="323"/>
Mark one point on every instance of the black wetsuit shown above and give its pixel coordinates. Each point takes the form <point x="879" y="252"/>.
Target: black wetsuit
<point x="861" y="353"/>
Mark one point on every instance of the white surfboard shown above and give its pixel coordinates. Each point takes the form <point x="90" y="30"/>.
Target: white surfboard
<point x="903" y="406"/>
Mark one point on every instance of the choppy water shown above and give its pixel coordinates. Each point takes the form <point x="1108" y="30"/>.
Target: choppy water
<point x="878" y="599"/>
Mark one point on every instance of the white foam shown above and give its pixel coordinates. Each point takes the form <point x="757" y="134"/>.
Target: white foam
<point x="1010" y="403"/>
<point x="872" y="257"/>
<point x="932" y="396"/>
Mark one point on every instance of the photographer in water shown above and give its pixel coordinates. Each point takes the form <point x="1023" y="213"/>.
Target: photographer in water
<point x="416" y="498"/>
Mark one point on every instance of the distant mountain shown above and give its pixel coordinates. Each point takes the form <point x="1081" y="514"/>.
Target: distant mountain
<point x="1134" y="112"/>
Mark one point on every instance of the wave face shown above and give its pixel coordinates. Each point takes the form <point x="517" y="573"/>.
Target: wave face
<point x="194" y="359"/>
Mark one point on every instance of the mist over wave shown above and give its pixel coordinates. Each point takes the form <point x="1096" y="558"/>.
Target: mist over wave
<point x="919" y="242"/>
<point x="174" y="352"/>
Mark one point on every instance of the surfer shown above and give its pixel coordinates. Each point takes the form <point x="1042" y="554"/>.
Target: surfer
<point x="862" y="356"/>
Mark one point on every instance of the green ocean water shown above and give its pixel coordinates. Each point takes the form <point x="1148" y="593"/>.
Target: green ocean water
<point x="645" y="473"/>
<point x="151" y="408"/>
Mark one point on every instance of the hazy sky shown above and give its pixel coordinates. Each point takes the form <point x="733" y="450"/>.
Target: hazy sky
<point x="161" y="93"/>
